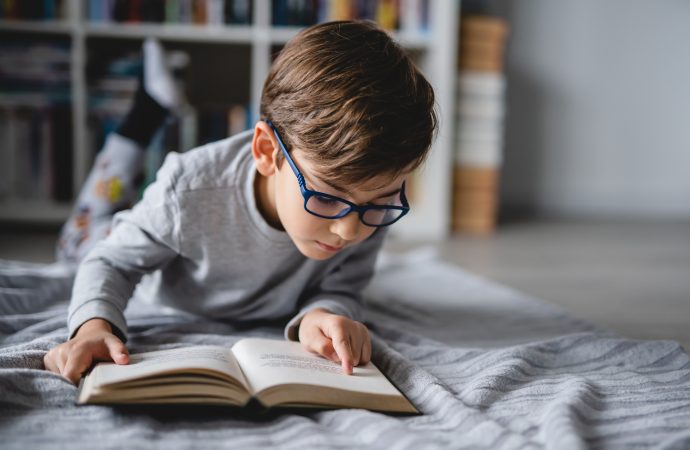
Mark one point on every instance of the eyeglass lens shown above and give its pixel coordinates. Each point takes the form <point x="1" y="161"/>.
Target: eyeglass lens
<point x="328" y="207"/>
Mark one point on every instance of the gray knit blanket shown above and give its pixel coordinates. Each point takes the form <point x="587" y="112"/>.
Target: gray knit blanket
<point x="488" y="367"/>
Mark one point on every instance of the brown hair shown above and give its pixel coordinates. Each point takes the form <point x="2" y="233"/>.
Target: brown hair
<point x="350" y="98"/>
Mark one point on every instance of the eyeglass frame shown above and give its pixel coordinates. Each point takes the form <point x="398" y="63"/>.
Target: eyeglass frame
<point x="361" y="210"/>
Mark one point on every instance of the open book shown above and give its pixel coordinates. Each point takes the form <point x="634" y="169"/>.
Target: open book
<point x="273" y="372"/>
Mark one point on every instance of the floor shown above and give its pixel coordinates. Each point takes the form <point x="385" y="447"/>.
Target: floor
<point x="632" y="277"/>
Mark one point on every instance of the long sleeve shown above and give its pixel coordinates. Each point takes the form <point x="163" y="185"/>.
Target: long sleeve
<point x="142" y="240"/>
<point x="340" y="291"/>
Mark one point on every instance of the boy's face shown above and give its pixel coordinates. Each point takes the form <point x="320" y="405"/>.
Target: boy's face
<point x="280" y="201"/>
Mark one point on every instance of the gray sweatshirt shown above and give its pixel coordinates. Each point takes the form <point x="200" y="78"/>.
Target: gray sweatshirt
<point x="197" y="244"/>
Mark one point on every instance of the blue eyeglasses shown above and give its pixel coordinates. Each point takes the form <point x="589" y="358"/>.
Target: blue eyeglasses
<point x="329" y="206"/>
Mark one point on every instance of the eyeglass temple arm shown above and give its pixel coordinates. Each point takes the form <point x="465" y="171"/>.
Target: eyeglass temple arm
<point x="403" y="197"/>
<point x="295" y="170"/>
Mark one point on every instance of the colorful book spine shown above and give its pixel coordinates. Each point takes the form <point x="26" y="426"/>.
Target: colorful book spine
<point x="403" y="15"/>
<point x="410" y="16"/>
<point x="198" y="12"/>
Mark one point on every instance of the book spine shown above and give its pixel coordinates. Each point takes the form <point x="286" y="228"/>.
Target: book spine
<point x="411" y="16"/>
<point x="239" y="12"/>
<point x="340" y="10"/>
<point x="49" y="10"/>
<point x="10" y="10"/>
<point x="215" y="12"/>
<point x="134" y="12"/>
<point x="30" y="9"/>
<point x="152" y="11"/>
<point x="323" y="10"/>
<point x="186" y="11"/>
<point x="280" y="15"/>
<point x="120" y="10"/>
<point x="96" y="13"/>
<point x="199" y="12"/>
<point x="387" y="14"/>
<point x="172" y="11"/>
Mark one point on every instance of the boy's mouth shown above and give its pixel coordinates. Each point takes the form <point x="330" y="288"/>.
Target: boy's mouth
<point x="329" y="248"/>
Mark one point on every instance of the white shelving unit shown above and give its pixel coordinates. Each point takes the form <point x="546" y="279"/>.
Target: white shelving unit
<point x="436" y="54"/>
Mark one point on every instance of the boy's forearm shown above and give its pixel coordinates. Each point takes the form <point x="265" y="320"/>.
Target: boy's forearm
<point x="101" y="290"/>
<point x="108" y="275"/>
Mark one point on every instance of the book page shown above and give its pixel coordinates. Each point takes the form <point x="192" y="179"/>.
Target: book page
<point x="269" y="362"/>
<point x="214" y="358"/>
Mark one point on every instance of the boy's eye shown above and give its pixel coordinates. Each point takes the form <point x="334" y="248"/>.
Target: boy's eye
<point x="325" y="201"/>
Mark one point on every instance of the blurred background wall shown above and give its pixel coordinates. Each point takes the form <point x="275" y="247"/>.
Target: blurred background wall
<point x="598" y="118"/>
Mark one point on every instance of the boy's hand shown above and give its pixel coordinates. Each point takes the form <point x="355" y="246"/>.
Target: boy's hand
<point x="335" y="337"/>
<point x="94" y="340"/>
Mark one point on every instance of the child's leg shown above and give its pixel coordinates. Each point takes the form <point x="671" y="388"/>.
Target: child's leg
<point x="112" y="184"/>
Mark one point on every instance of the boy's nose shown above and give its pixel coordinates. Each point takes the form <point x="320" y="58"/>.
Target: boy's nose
<point x="346" y="227"/>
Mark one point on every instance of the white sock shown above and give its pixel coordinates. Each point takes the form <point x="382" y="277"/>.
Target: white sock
<point x="158" y="81"/>
<point x="110" y="185"/>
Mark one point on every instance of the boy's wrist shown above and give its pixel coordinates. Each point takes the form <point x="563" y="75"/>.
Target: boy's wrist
<point x="317" y="312"/>
<point x="95" y="324"/>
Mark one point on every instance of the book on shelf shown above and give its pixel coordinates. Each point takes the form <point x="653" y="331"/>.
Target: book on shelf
<point x="401" y="15"/>
<point x="238" y="12"/>
<point x="37" y="152"/>
<point x="38" y="69"/>
<point x="197" y="12"/>
<point x="35" y="121"/>
<point x="408" y="16"/>
<point x="261" y="372"/>
<point x="32" y="10"/>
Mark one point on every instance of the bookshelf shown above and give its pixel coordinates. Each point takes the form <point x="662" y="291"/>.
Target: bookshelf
<point x="435" y="51"/>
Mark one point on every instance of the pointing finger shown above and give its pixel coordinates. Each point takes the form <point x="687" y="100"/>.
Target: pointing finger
<point x="342" y="346"/>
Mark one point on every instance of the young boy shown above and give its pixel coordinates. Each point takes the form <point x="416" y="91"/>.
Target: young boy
<point x="280" y="222"/>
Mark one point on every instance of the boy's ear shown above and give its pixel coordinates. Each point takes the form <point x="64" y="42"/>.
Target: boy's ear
<point x="264" y="149"/>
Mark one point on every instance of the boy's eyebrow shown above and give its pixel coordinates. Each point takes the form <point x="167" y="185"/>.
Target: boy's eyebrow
<point x="388" y="194"/>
